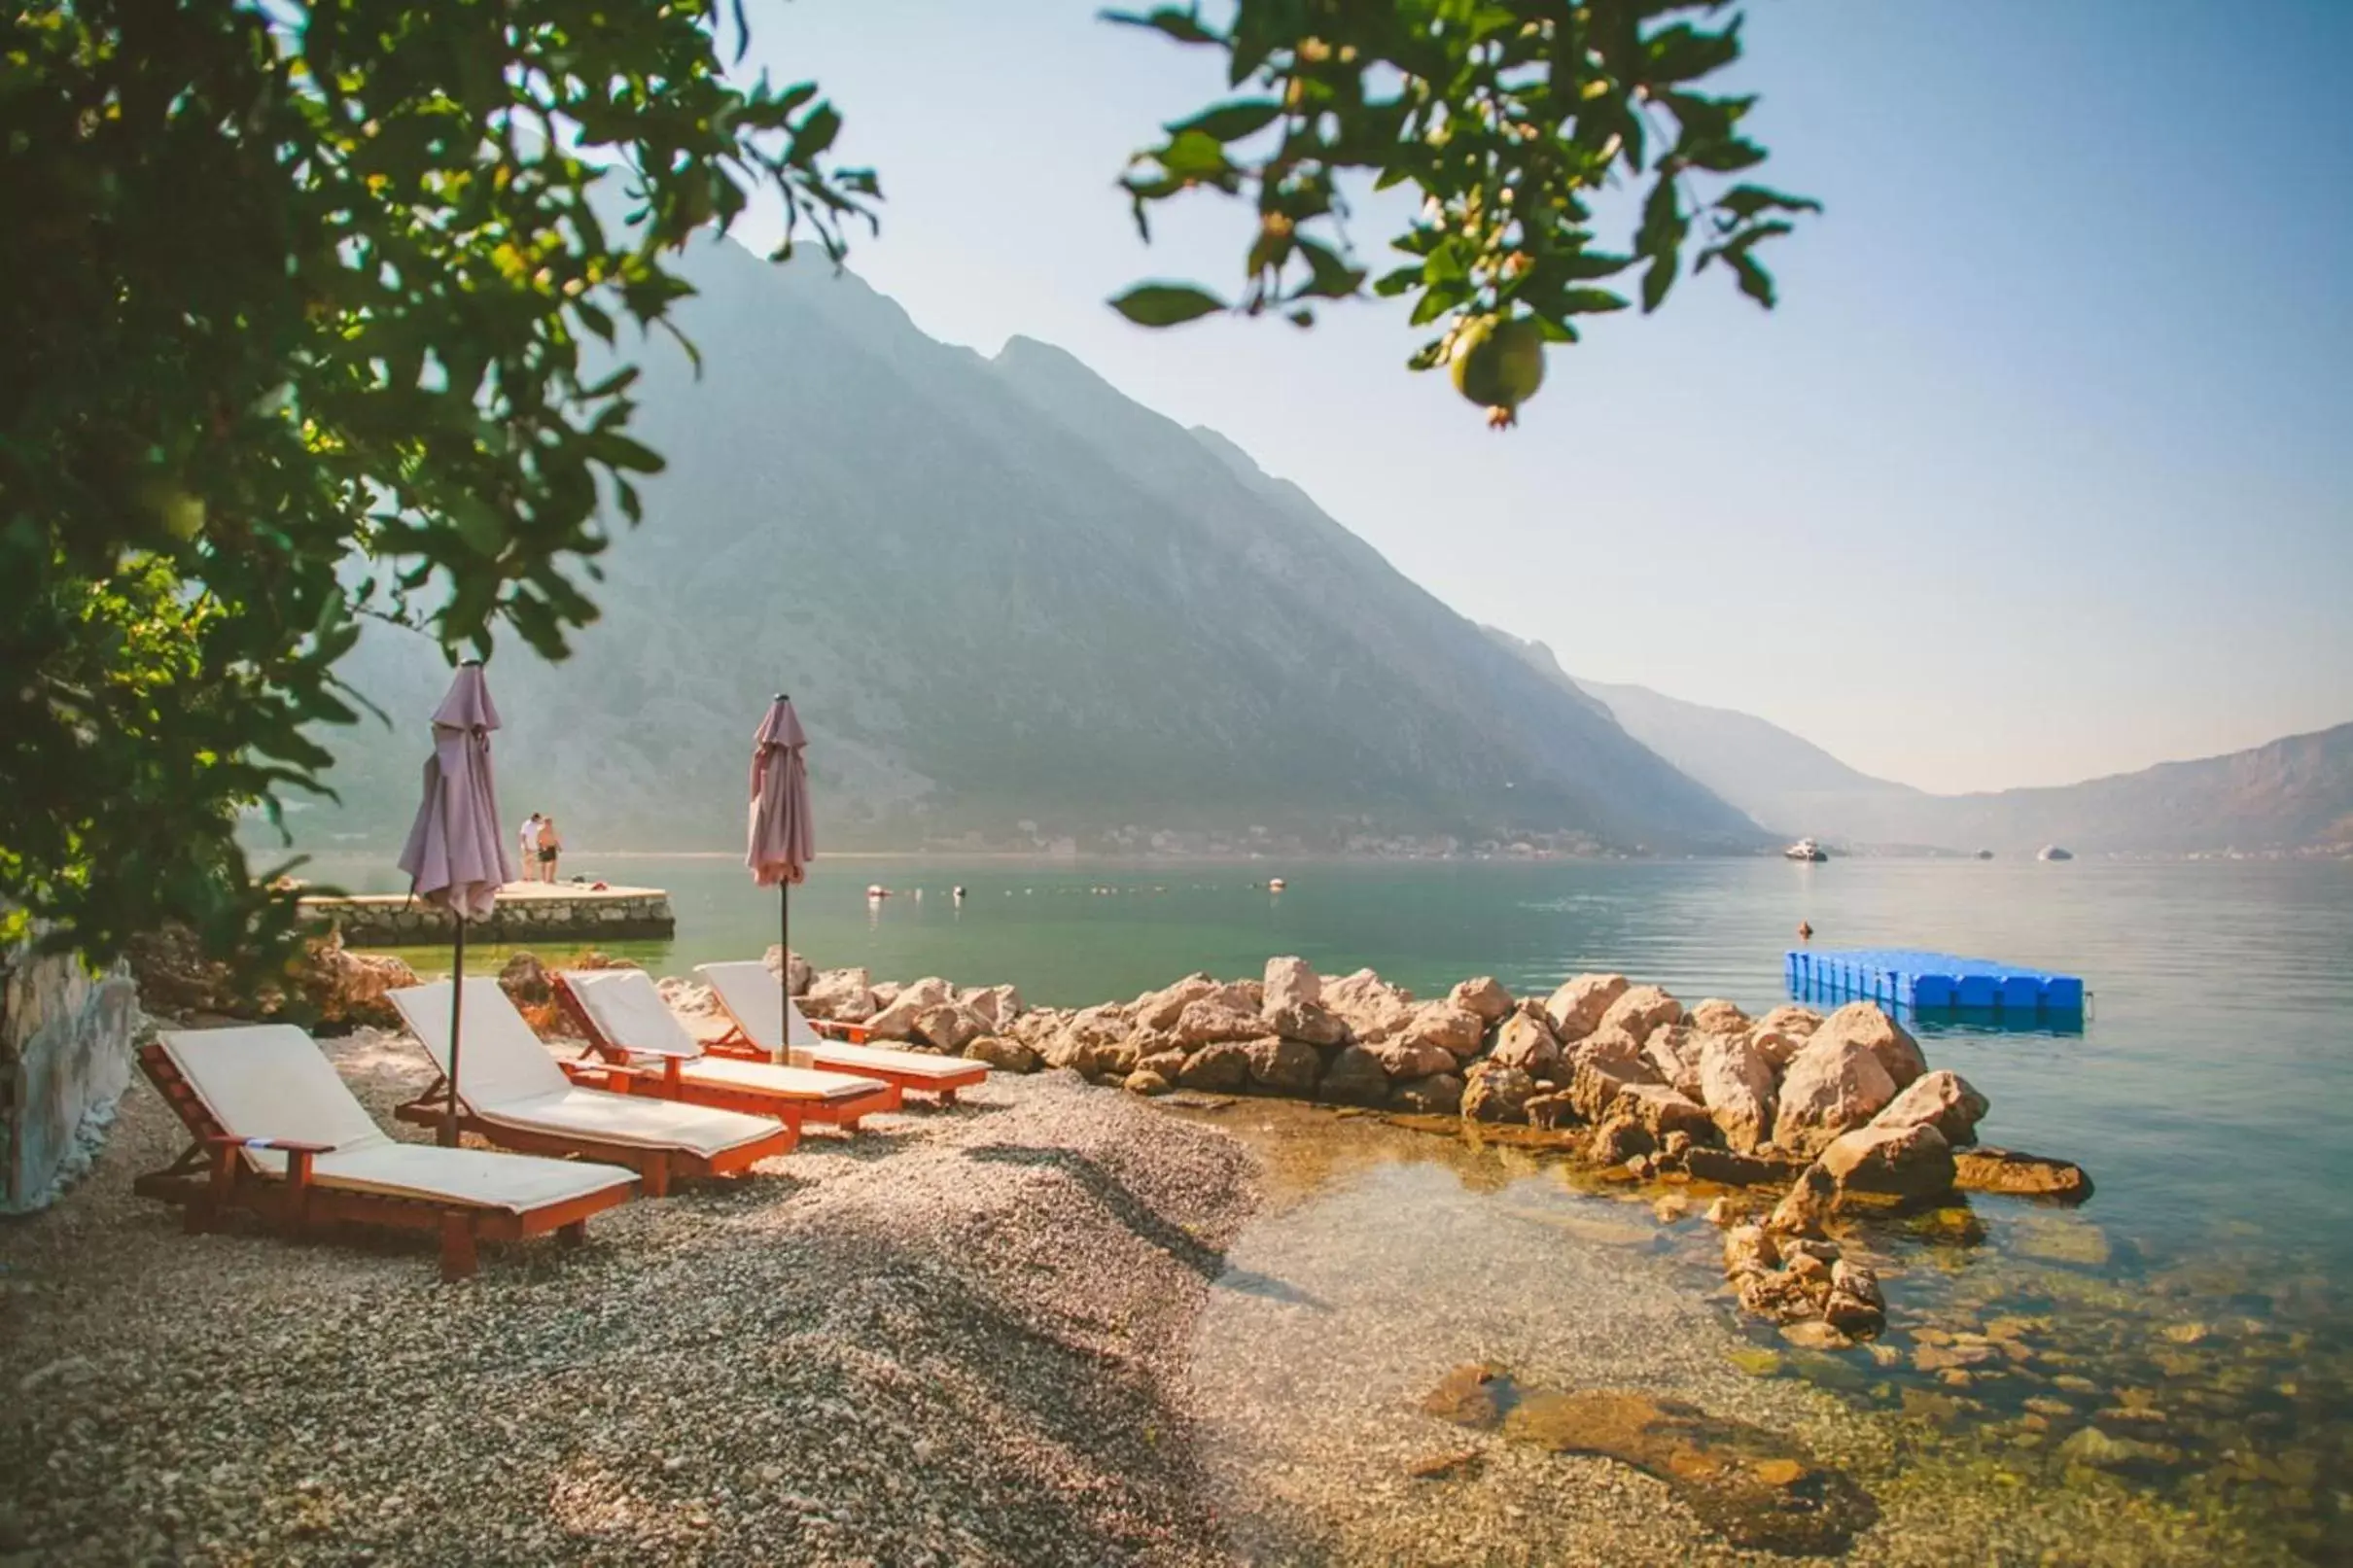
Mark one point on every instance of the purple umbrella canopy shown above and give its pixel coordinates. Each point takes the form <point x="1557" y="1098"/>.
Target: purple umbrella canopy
<point x="456" y="854"/>
<point x="782" y="841"/>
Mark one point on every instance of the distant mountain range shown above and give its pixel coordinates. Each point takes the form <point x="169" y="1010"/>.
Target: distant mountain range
<point x="2294" y="795"/>
<point x="1014" y="609"/>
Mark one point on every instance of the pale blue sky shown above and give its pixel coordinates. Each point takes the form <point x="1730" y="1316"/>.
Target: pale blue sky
<point x="2043" y="469"/>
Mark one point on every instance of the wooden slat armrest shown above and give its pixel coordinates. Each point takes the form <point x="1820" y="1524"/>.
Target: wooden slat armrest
<point x="282" y="1145"/>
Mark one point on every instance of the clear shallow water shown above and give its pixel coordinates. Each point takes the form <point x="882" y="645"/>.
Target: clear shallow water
<point x="2201" y="1303"/>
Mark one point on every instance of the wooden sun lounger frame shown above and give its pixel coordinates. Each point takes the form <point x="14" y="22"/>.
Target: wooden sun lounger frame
<point x="668" y="1080"/>
<point x="736" y="1043"/>
<point x="208" y="1180"/>
<point x="657" y="1167"/>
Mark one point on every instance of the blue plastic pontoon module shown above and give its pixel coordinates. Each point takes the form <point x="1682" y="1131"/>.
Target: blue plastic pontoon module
<point x="1909" y="980"/>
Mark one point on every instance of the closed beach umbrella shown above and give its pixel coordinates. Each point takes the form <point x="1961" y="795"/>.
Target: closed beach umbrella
<point x="782" y="841"/>
<point x="456" y="854"/>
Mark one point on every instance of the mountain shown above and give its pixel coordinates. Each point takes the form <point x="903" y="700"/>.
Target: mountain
<point x="2294" y="795"/>
<point x="1784" y="781"/>
<point x="1014" y="607"/>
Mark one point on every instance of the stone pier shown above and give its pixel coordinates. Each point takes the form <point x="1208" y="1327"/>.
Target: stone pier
<point x="527" y="911"/>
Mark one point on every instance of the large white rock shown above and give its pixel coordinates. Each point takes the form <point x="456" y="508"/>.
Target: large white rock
<point x="1942" y="1099"/>
<point x="845" y="994"/>
<point x="1716" y="1016"/>
<point x="1834" y="1085"/>
<point x="1736" y="1085"/>
<point x="1454" y="1029"/>
<point x="1577" y="1008"/>
<point x="1405" y="1057"/>
<point x="1372" y="1008"/>
<point x="1214" y="1020"/>
<point x="1525" y="1043"/>
<point x="1484" y="998"/>
<point x="1290" y="983"/>
<point x="1642" y="1009"/>
<point x="896" y="1022"/>
<point x="1862" y="1022"/>
<point x="1160" y="1009"/>
<point x="1782" y="1034"/>
<point x="1674" y="1050"/>
<point x="999" y="1005"/>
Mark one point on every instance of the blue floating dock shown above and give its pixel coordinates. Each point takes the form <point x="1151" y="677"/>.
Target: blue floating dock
<point x="1909" y="980"/>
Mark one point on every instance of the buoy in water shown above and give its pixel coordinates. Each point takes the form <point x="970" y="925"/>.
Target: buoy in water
<point x="1804" y="932"/>
<point x="1275" y="885"/>
<point x="875" y="890"/>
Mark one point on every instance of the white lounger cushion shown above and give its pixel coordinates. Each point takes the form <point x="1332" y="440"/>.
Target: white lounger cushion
<point x="631" y="1014"/>
<point x="271" y="1081"/>
<point x="791" y="1083"/>
<point x="749" y="992"/>
<point x="510" y="1080"/>
<point x="823" y="1052"/>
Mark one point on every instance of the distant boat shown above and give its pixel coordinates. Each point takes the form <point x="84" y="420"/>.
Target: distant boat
<point x="1276" y="884"/>
<point x="1805" y="850"/>
<point x="1984" y="854"/>
<point x="2052" y="852"/>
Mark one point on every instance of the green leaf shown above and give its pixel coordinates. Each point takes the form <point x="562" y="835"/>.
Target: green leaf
<point x="1182" y="24"/>
<point x="1755" y="281"/>
<point x="1589" y="301"/>
<point x="1231" y="121"/>
<point x="1331" y="278"/>
<point x="1166" y="304"/>
<point x="1745" y="201"/>
<point x="1194" y="155"/>
<point x="1657" y="281"/>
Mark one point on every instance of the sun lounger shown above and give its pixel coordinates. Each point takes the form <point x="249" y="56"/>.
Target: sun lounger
<point x="278" y="1132"/>
<point x="516" y="1097"/>
<point x="622" y="1015"/>
<point x="747" y="991"/>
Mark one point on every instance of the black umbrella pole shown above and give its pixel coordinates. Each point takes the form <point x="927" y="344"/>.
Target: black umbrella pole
<point x="457" y="993"/>
<point x="784" y="972"/>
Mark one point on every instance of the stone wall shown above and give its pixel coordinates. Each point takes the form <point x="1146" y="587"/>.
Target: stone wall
<point x="65" y="1059"/>
<point x="591" y="917"/>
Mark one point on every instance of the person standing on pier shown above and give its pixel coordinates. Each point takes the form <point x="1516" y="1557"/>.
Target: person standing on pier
<point x="527" y="840"/>
<point x="551" y="847"/>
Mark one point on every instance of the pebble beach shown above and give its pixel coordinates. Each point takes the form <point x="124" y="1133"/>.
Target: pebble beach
<point x="957" y="1338"/>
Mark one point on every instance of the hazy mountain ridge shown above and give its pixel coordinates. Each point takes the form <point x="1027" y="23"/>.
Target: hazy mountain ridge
<point x="2291" y="795"/>
<point x="1001" y="594"/>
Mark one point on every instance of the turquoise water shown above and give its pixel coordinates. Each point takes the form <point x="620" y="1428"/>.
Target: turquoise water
<point x="2201" y="1303"/>
<point x="2210" y="1093"/>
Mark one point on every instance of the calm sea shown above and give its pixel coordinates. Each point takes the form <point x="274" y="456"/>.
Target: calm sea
<point x="2196" y="1317"/>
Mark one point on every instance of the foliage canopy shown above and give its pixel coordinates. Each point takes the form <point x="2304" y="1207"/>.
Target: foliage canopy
<point x="301" y="293"/>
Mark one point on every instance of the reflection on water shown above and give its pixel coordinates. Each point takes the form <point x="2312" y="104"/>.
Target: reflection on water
<point x="2038" y="1388"/>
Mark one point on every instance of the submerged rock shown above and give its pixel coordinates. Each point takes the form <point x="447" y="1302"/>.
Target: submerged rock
<point x="1438" y="1095"/>
<point x="2030" y="1175"/>
<point x="1748" y="1484"/>
<point x="1475" y="1395"/>
<point x="1143" y="1082"/>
